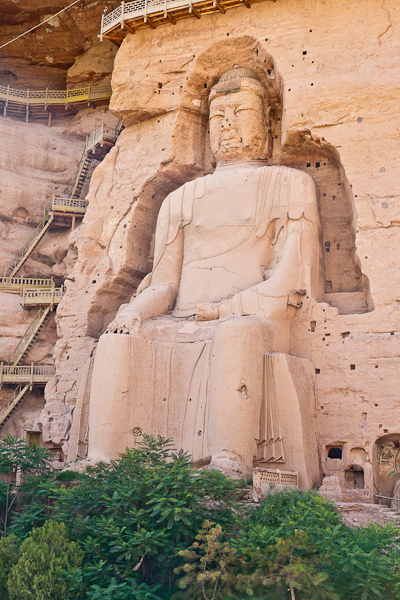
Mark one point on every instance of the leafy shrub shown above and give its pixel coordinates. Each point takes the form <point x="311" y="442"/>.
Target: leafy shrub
<point x="9" y="556"/>
<point x="44" y="555"/>
<point x="128" y="590"/>
<point x="293" y="546"/>
<point x="152" y="528"/>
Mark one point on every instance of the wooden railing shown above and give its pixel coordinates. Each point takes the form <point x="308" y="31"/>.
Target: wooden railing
<point x="396" y="500"/>
<point x="47" y="97"/>
<point x="30" y="335"/>
<point x="33" y="291"/>
<point x="139" y="8"/>
<point x="130" y="15"/>
<point x="73" y="205"/>
<point x="103" y="132"/>
<point x="30" y="245"/>
<point x="93" y="141"/>
<point x="12" y="401"/>
<point x="36" y="297"/>
<point x="26" y="373"/>
<point x="18" y="284"/>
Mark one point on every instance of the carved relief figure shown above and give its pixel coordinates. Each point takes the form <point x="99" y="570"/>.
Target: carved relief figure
<point x="237" y="254"/>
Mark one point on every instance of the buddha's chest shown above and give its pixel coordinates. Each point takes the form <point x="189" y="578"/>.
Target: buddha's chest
<point x="225" y="201"/>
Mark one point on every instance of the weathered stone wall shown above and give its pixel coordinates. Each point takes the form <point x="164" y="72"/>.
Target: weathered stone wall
<point x="335" y="65"/>
<point x="37" y="161"/>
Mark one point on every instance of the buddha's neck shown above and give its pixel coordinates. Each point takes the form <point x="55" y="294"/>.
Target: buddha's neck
<point x="240" y="164"/>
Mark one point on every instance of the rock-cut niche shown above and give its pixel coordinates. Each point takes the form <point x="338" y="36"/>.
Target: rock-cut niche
<point x="346" y="287"/>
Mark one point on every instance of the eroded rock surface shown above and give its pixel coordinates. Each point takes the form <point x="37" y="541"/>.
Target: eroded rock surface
<point x="336" y="67"/>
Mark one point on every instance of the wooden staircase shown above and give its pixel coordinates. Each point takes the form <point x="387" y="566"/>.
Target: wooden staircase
<point x="31" y="244"/>
<point x="81" y="175"/>
<point x="97" y="146"/>
<point x="12" y="402"/>
<point x="31" y="334"/>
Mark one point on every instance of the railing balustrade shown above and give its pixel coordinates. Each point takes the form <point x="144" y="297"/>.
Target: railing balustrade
<point x="18" y="283"/>
<point x="140" y="8"/>
<point x="102" y="133"/>
<point x="395" y="500"/>
<point x="73" y="204"/>
<point x="21" y="370"/>
<point x="45" y="97"/>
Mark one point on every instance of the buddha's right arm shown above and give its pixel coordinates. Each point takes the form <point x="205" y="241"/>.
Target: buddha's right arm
<point x="156" y="300"/>
<point x="159" y="297"/>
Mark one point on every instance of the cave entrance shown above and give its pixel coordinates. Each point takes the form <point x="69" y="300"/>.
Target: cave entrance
<point x="354" y="478"/>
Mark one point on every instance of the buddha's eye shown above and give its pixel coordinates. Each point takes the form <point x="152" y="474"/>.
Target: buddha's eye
<point x="217" y="116"/>
<point x="239" y="109"/>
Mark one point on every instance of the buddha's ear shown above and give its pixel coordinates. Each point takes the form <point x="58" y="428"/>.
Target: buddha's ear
<point x="270" y="123"/>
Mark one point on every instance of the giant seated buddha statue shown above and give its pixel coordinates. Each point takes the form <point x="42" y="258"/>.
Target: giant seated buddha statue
<point x="201" y="353"/>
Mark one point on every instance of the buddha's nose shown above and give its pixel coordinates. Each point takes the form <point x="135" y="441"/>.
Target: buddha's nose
<point x="228" y="119"/>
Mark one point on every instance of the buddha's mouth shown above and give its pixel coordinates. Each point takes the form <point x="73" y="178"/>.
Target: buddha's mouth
<point x="230" y="141"/>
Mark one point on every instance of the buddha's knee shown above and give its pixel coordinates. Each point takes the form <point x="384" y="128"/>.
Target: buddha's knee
<point x="250" y="332"/>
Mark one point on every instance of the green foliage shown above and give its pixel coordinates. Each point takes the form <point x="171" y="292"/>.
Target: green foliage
<point x="31" y="463"/>
<point x="128" y="590"/>
<point x="134" y="515"/>
<point x="44" y="555"/>
<point x="293" y="546"/>
<point x="210" y="565"/>
<point x="215" y="569"/>
<point x="16" y="455"/>
<point x="9" y="556"/>
<point x="152" y="528"/>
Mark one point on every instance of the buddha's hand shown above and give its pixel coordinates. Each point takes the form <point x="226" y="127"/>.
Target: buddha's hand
<point x="128" y="320"/>
<point x="207" y="312"/>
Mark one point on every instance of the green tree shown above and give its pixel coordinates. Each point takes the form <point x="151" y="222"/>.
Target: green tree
<point x="9" y="556"/>
<point x="45" y="554"/>
<point x="215" y="569"/>
<point x="29" y="462"/>
<point x="134" y="515"/>
<point x="15" y="455"/>
<point x="294" y="546"/>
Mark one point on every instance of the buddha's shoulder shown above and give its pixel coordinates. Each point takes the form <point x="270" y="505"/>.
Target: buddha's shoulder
<point x="288" y="172"/>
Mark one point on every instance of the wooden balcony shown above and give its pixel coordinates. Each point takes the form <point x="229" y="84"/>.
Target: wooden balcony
<point x="32" y="374"/>
<point x="130" y="16"/>
<point x="74" y="206"/>
<point x="43" y="104"/>
<point x="16" y="285"/>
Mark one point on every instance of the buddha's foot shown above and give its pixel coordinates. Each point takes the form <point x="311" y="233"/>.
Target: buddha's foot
<point x="230" y="465"/>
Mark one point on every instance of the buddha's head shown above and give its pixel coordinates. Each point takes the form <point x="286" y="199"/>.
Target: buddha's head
<point x="238" y="123"/>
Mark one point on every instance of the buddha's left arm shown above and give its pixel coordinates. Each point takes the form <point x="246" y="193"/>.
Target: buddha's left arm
<point x="270" y="298"/>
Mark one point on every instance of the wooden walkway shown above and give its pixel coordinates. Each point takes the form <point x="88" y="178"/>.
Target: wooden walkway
<point x="26" y="374"/>
<point x="34" y="292"/>
<point x="131" y="16"/>
<point x="46" y="104"/>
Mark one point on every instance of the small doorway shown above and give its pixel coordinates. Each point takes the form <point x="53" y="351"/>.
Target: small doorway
<point x="354" y="478"/>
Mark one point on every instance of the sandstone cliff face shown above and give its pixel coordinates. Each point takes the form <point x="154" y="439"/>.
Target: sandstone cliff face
<point x="335" y="66"/>
<point x="335" y="69"/>
<point x="37" y="161"/>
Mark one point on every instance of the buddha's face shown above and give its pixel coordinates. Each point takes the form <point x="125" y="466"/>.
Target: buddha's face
<point x="237" y="126"/>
